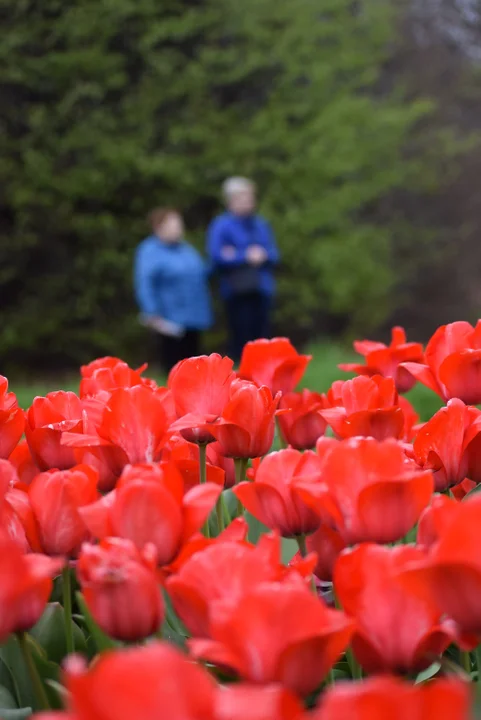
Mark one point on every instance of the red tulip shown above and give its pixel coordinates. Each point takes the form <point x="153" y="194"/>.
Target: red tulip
<point x="110" y="373"/>
<point x="16" y="514"/>
<point x="23" y="462"/>
<point x="434" y="519"/>
<point x="159" y="681"/>
<point x="149" y="506"/>
<point x="12" y="420"/>
<point x="385" y="360"/>
<point x="274" y="363"/>
<point x="239" y="701"/>
<point x="235" y="532"/>
<point x="232" y="569"/>
<point x="452" y="363"/>
<point x="396" y="631"/>
<point x="200" y="388"/>
<point x="246" y="427"/>
<point x="450" y="445"/>
<point x="369" y="491"/>
<point x="277" y="633"/>
<point x="303" y="424"/>
<point x="131" y="429"/>
<point x="452" y="570"/>
<point x="216" y="458"/>
<point x="120" y="587"/>
<point x="47" y="419"/>
<point x="365" y="406"/>
<point x="25" y="587"/>
<point x="144" y="683"/>
<point x="379" y="698"/>
<point x="186" y="457"/>
<point x="273" y="497"/>
<point x="56" y="498"/>
<point x="327" y="543"/>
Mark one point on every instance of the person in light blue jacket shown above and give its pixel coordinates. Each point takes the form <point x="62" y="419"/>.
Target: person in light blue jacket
<point x="171" y="288"/>
<point x="243" y="252"/>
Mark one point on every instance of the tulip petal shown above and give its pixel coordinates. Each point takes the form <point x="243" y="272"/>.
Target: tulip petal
<point x="236" y="531"/>
<point x="425" y="376"/>
<point x="238" y="702"/>
<point x="144" y="512"/>
<point x="190" y="606"/>
<point x="79" y="440"/>
<point x="380" y="424"/>
<point x="289" y="373"/>
<point x="388" y="510"/>
<point x="229" y="434"/>
<point x="303" y="665"/>
<point x="433" y="644"/>
<point x="96" y="517"/>
<point x="265" y="503"/>
<point x="457" y="589"/>
<point x="196" y="507"/>
<point x="213" y="652"/>
<point x="460" y="373"/>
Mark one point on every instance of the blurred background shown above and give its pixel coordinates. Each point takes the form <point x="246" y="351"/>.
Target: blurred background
<point x="358" y="119"/>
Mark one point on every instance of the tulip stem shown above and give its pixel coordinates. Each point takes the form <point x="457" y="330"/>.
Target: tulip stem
<point x="240" y="465"/>
<point x="220" y="513"/>
<point x="67" y="608"/>
<point x="240" y="469"/>
<point x="465" y="658"/>
<point x="203" y="479"/>
<point x="301" y="541"/>
<point x="225" y="510"/>
<point x="38" y="687"/>
<point x="203" y="463"/>
<point x="282" y="442"/>
<point x="355" y="668"/>
<point x="478" y="665"/>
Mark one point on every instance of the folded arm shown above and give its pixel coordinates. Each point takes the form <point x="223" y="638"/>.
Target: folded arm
<point x="223" y="254"/>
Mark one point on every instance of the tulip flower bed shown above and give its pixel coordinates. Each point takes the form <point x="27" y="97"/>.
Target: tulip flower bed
<point x="129" y="589"/>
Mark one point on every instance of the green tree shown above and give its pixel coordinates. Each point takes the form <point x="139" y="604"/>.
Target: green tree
<point x="112" y="106"/>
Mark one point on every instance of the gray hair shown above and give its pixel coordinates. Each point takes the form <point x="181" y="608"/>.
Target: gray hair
<point x="234" y="185"/>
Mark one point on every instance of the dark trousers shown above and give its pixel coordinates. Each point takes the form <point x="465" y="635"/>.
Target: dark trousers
<point x="174" y="349"/>
<point x="248" y="318"/>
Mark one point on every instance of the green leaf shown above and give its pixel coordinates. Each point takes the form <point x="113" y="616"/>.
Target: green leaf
<point x="231" y="502"/>
<point x="8" y="680"/>
<point x="18" y="714"/>
<point x="50" y="633"/>
<point x="172" y="636"/>
<point x="429" y="673"/>
<point x="101" y="640"/>
<point x="7" y="700"/>
<point x="11" y="655"/>
<point x="256" y="528"/>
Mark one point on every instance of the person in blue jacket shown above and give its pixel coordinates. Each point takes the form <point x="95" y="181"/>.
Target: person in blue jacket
<point x="171" y="287"/>
<point x="243" y="252"/>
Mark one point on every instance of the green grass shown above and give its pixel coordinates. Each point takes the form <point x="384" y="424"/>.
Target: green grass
<point x="320" y="374"/>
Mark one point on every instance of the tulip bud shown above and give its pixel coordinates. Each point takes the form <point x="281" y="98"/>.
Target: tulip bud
<point x="246" y="427"/>
<point x="56" y="497"/>
<point x="120" y="588"/>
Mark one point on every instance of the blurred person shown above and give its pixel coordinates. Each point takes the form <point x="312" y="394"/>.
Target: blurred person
<point x="243" y="252"/>
<point x="171" y="287"/>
